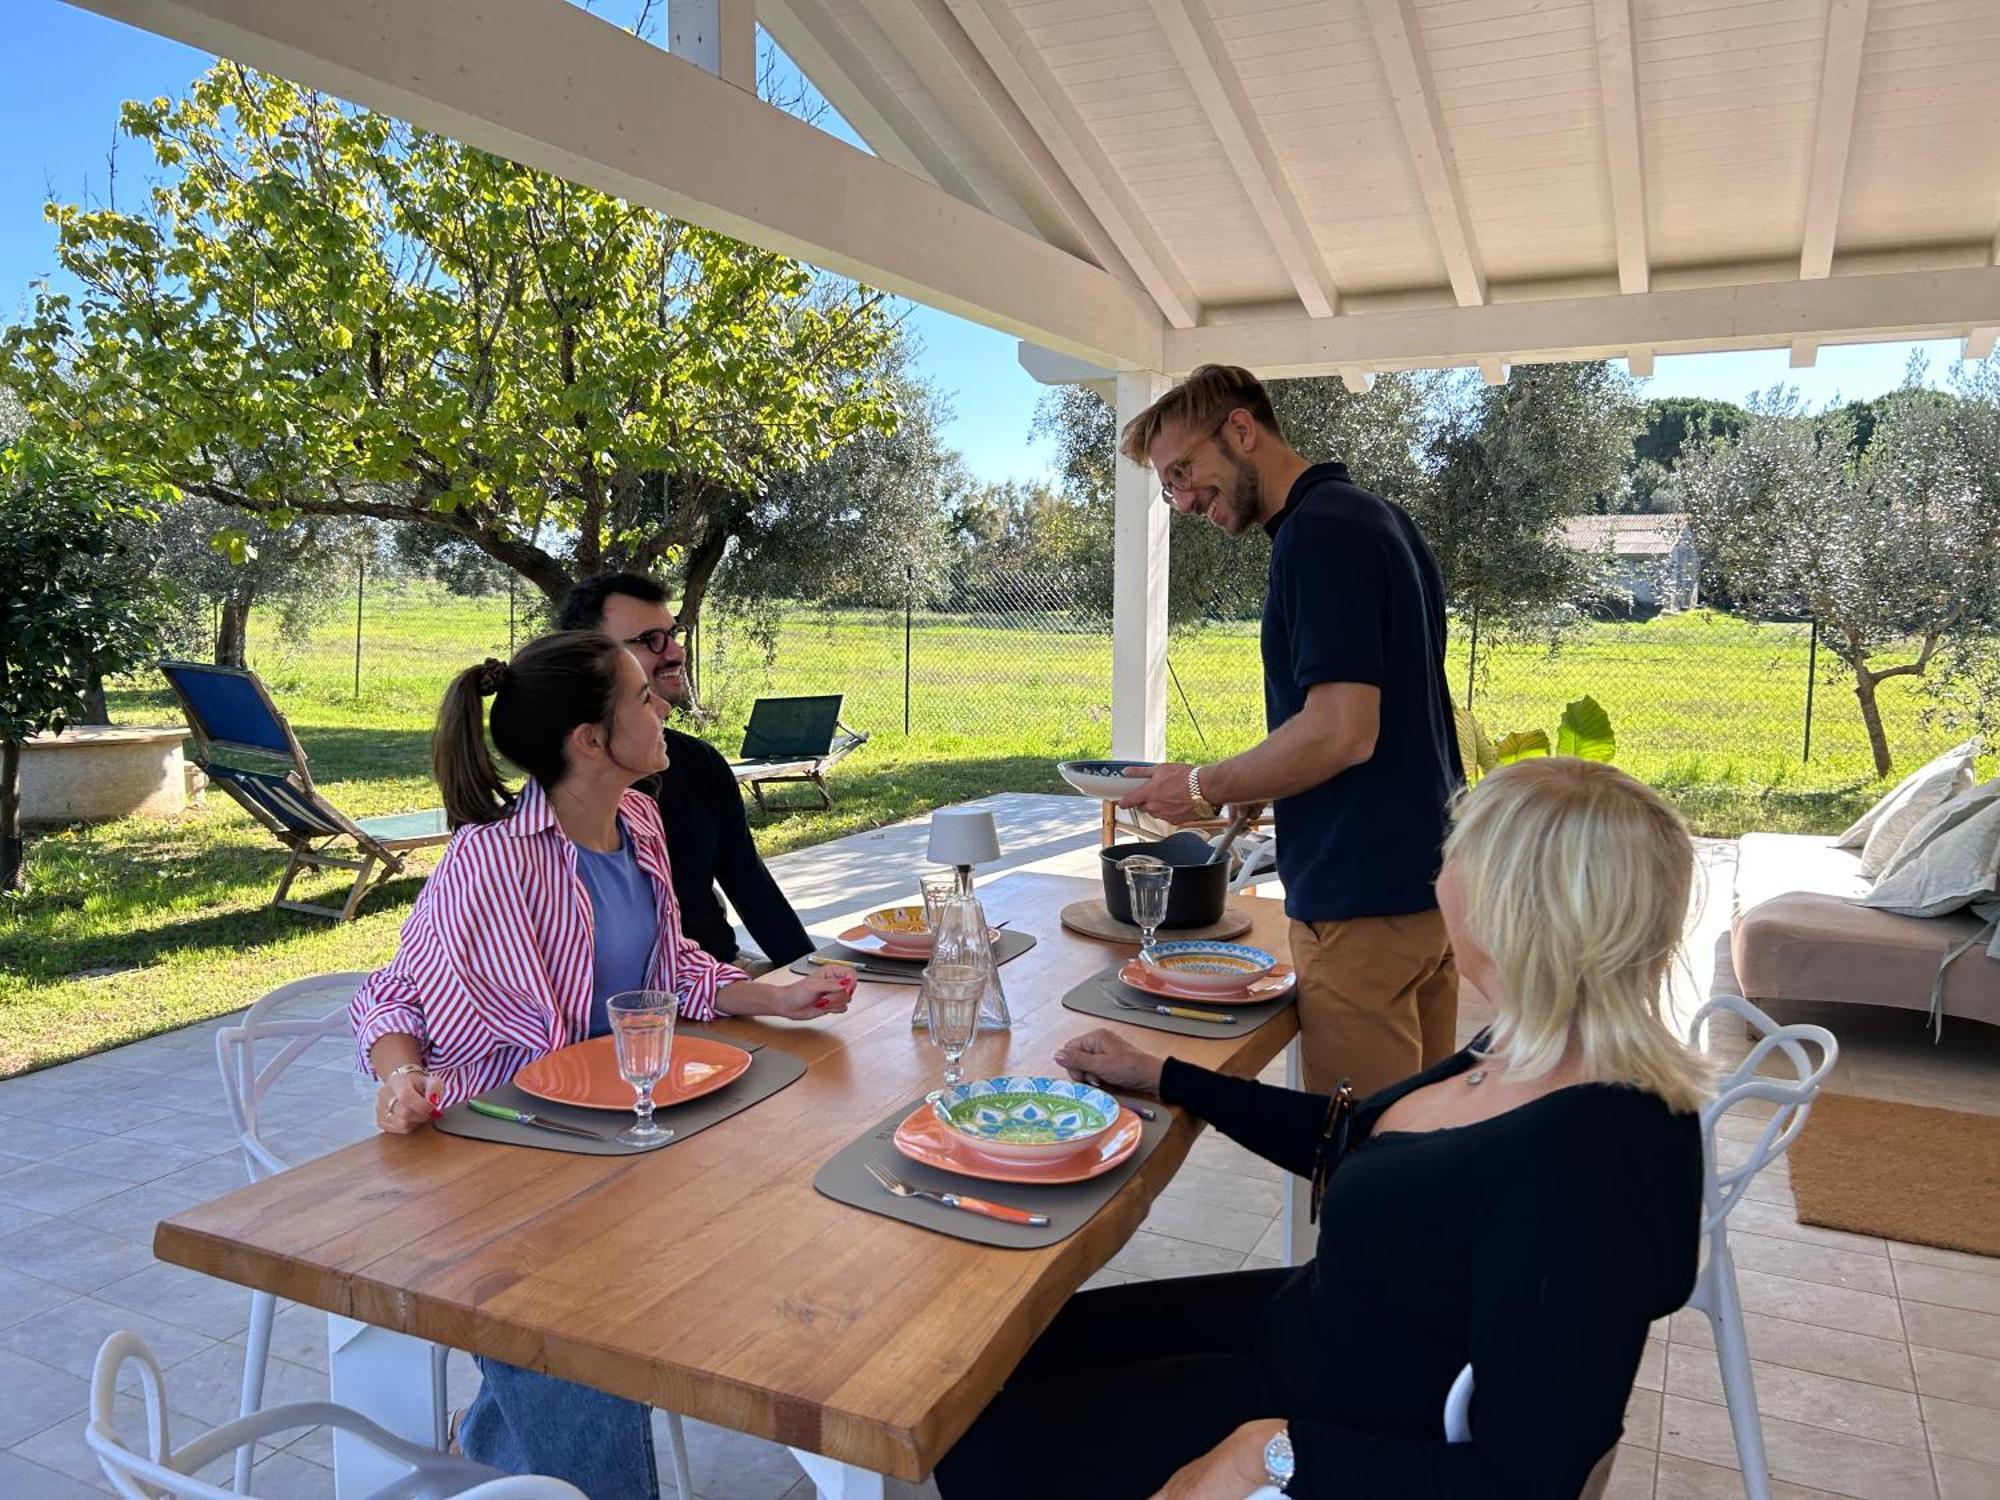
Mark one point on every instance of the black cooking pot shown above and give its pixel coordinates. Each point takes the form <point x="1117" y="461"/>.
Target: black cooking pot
<point x="1193" y="900"/>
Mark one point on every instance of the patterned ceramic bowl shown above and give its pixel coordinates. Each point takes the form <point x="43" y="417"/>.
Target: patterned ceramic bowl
<point x="901" y="927"/>
<point x="1101" y="778"/>
<point x="1217" y="968"/>
<point x="1026" y="1121"/>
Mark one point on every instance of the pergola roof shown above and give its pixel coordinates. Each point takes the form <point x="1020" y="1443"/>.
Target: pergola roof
<point x="1297" y="185"/>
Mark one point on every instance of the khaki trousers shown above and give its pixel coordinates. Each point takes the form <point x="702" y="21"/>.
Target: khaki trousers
<point x="1378" y="999"/>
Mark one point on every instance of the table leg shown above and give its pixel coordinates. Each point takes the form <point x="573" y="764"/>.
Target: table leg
<point x="1301" y="1237"/>
<point x="834" y="1480"/>
<point x="387" y="1377"/>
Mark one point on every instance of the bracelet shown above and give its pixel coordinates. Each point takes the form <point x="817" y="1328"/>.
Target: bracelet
<point x="1201" y="804"/>
<point x="399" y="1071"/>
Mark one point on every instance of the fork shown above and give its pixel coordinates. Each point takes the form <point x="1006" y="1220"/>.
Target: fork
<point x="1220" y="1017"/>
<point x="999" y="1211"/>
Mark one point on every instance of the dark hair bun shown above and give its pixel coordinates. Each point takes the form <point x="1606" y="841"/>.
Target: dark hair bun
<point x="492" y="673"/>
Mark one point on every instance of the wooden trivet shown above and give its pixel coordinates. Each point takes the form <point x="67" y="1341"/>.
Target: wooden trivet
<point x="1093" y="920"/>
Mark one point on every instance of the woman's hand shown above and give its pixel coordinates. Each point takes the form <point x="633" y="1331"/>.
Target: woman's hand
<point x="404" y="1103"/>
<point x="1232" y="1470"/>
<point x="1107" y="1060"/>
<point x="825" y="993"/>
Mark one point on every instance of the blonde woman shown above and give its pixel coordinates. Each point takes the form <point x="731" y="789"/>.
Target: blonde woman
<point x="1528" y="1206"/>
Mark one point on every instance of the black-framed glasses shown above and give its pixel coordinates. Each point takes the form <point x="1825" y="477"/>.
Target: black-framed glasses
<point x="1174" y="477"/>
<point x="655" y="640"/>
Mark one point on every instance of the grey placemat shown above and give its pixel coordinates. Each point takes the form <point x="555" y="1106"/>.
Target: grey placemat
<point x="1069" y="1205"/>
<point x="1009" y="945"/>
<point x="1091" y="998"/>
<point x="771" y="1069"/>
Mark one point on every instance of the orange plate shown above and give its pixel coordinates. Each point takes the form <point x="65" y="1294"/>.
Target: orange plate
<point x="586" y="1073"/>
<point x="923" y="1137"/>
<point x="1273" y="986"/>
<point x="861" y="940"/>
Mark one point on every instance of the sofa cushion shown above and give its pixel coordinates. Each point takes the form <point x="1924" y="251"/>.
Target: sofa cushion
<point x="1778" y="864"/>
<point x="1940" y="820"/>
<point x="1953" y="869"/>
<point x="1856" y="835"/>
<point x="1815" y="947"/>
<point x="1931" y="786"/>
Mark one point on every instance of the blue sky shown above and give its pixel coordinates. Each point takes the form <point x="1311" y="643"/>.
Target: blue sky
<point x="65" y="72"/>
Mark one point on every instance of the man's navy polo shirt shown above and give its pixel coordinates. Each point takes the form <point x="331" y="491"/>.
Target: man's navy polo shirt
<point x="1356" y="596"/>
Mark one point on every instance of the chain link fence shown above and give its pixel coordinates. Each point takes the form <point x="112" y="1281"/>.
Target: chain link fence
<point x="1011" y="662"/>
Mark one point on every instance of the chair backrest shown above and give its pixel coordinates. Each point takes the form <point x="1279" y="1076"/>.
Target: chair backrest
<point x="245" y="1082"/>
<point x="1792" y="1092"/>
<point x="229" y="708"/>
<point x="782" y="727"/>
<point x="162" y="1470"/>
<point x="1458" y="1429"/>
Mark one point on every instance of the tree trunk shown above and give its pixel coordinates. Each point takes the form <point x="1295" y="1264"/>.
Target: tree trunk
<point x="13" y="852"/>
<point x="1871" y="716"/>
<point x="229" y="635"/>
<point x="702" y="561"/>
<point x="95" y="709"/>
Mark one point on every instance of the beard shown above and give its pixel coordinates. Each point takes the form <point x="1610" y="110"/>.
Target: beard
<point x="670" y="685"/>
<point x="1235" y="509"/>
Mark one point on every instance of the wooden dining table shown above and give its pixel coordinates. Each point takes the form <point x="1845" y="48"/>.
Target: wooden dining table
<point x="709" y="1278"/>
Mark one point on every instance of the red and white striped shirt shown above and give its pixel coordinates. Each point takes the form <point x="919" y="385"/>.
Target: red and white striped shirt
<point x="493" y="967"/>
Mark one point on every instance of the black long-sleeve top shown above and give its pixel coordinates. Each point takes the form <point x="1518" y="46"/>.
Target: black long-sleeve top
<point x="1538" y="1246"/>
<point x="709" y="843"/>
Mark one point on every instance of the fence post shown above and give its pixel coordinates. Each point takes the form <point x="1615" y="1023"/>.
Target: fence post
<point x="1472" y="659"/>
<point x="1812" y="673"/>
<point x="510" y="614"/>
<point x="909" y="603"/>
<point x="360" y="588"/>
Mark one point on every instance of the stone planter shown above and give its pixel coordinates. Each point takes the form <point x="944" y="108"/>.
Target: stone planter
<point x="102" y="771"/>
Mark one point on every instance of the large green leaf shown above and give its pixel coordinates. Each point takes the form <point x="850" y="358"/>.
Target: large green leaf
<point x="1520" y="745"/>
<point x="1585" y="731"/>
<point x="1475" y="750"/>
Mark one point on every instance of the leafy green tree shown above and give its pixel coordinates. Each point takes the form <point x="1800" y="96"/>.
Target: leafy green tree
<point x="1894" y="552"/>
<point x="224" y="570"/>
<point x="1509" y="463"/>
<point x="323" y="312"/>
<point x="76" y="599"/>
<point x="1668" y="424"/>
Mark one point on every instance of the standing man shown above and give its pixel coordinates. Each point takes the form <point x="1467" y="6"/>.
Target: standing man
<point x="1361" y="757"/>
<point x="708" y="833"/>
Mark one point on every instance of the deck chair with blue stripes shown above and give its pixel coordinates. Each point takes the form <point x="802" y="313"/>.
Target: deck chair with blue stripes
<point x="245" y="746"/>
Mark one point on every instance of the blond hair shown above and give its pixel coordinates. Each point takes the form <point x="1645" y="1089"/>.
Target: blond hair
<point x="1575" y="880"/>
<point x="1210" y="393"/>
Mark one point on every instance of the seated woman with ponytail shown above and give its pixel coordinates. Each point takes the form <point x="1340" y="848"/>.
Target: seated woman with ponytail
<point x="548" y="900"/>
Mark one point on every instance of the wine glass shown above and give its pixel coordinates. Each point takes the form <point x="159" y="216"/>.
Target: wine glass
<point x="642" y="1029"/>
<point x="951" y="996"/>
<point x="938" y="887"/>
<point x="1147" y="881"/>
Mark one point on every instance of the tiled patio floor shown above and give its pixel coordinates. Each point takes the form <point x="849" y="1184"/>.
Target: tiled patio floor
<point x="1878" y="1364"/>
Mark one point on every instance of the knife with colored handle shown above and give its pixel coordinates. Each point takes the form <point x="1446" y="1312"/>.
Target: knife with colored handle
<point x="522" y="1117"/>
<point x="1221" y="1018"/>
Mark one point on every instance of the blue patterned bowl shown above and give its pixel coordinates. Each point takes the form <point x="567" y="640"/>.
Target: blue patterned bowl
<point x="1211" y="967"/>
<point x="1103" y="779"/>
<point x="1025" y="1121"/>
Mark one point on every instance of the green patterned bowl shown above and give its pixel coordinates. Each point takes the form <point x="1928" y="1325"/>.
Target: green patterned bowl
<point x="1025" y="1121"/>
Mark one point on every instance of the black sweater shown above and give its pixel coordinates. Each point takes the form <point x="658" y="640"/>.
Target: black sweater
<point x="1538" y="1246"/>
<point x="708" y="841"/>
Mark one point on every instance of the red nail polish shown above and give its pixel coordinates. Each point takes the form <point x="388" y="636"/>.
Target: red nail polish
<point x="821" y="1004"/>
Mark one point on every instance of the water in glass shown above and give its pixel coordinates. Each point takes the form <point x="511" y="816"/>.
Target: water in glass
<point x="1147" y="882"/>
<point x="642" y="1029"/>
<point x="951" y="997"/>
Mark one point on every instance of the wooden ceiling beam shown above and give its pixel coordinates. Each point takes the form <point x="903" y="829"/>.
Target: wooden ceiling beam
<point x="1833" y="134"/>
<point x="1618" y="79"/>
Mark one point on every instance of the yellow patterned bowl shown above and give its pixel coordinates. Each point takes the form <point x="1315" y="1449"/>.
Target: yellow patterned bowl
<point x="901" y="927"/>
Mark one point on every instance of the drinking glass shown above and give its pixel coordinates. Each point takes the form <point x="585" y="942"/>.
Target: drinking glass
<point x="951" y="996"/>
<point x="642" y="1029"/>
<point x="1147" y="881"/>
<point x="938" y="886"/>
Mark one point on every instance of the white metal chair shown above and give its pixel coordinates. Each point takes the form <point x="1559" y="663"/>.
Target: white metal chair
<point x="1715" y="1292"/>
<point x="244" y="1085"/>
<point x="1458" y="1429"/>
<point x="166" y="1470"/>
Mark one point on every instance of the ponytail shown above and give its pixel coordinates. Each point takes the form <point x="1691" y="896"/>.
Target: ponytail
<point x="473" y="789"/>
<point x="552" y="685"/>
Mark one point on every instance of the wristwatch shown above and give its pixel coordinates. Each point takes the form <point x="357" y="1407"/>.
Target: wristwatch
<point x="1279" y="1466"/>
<point x="1201" y="804"/>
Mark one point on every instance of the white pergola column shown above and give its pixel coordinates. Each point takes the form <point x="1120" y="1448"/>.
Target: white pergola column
<point x="1138" y="591"/>
<point x="717" y="36"/>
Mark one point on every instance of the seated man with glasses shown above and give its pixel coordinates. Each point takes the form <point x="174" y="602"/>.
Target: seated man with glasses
<point x="708" y="833"/>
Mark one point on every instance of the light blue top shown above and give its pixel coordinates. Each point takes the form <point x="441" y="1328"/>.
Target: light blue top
<point x="626" y="920"/>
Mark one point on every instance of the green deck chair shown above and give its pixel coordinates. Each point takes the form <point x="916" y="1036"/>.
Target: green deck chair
<point x="245" y="746"/>
<point x="794" y="739"/>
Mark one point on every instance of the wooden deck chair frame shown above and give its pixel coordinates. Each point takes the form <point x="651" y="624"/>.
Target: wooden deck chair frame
<point x="808" y="767"/>
<point x="279" y="779"/>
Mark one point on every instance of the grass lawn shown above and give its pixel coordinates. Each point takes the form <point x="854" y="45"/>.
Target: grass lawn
<point x="134" y="927"/>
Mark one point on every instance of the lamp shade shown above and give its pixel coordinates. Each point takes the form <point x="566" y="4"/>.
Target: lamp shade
<point x="963" y="836"/>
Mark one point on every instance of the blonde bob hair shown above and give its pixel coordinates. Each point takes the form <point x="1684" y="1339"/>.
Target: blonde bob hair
<point x="1575" y="882"/>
